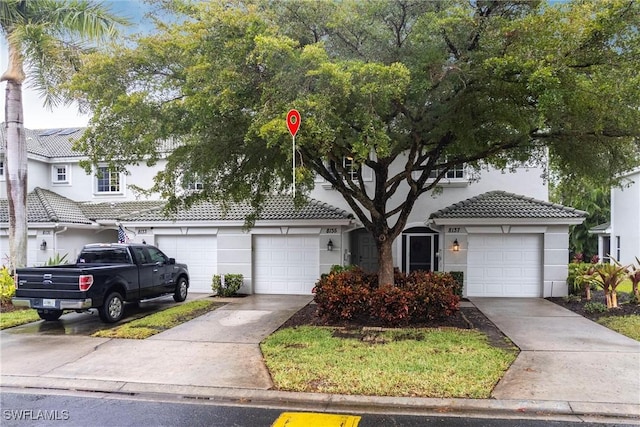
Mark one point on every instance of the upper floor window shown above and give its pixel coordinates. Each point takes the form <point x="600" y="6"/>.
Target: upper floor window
<point x="107" y="181"/>
<point x="60" y="174"/>
<point x="195" y="186"/>
<point x="350" y="168"/>
<point x="456" y="172"/>
<point x="1" y="169"/>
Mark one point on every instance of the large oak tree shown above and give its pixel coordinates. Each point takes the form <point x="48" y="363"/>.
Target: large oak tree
<point x="408" y="88"/>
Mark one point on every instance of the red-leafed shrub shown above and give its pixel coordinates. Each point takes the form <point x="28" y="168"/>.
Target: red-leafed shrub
<point x="416" y="297"/>
<point x="391" y="304"/>
<point x="342" y="296"/>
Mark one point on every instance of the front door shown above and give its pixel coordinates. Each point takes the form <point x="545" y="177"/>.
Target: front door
<point x="364" y="251"/>
<point x="419" y="250"/>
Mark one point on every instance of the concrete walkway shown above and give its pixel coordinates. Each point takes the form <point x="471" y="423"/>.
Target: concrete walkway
<point x="564" y="356"/>
<point x="570" y="368"/>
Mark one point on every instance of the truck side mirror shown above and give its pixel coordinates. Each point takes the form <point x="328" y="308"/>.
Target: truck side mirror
<point x="172" y="261"/>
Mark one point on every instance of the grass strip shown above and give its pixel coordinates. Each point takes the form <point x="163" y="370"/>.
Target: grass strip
<point x="626" y="325"/>
<point x="442" y="363"/>
<point x="9" y="319"/>
<point x="161" y="321"/>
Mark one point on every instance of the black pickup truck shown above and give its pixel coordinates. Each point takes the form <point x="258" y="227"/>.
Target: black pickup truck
<point x="104" y="277"/>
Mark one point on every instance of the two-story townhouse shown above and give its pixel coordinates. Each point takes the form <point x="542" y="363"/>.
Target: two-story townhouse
<point x="496" y="227"/>
<point x="620" y="238"/>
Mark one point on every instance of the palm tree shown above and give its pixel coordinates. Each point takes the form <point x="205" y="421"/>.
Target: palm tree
<point x="47" y="38"/>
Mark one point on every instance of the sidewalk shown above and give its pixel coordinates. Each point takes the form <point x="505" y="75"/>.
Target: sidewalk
<point x="217" y="357"/>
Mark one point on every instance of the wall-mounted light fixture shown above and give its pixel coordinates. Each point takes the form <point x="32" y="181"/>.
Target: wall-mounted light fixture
<point x="43" y="245"/>
<point x="456" y="246"/>
<point x="330" y="245"/>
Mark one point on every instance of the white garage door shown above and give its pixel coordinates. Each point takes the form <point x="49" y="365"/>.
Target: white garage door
<point x="504" y="265"/>
<point x="285" y="264"/>
<point x="198" y="252"/>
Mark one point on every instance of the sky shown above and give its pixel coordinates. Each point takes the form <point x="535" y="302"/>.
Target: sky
<point x="35" y="115"/>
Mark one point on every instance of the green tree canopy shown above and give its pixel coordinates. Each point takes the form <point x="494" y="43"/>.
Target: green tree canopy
<point x="407" y="88"/>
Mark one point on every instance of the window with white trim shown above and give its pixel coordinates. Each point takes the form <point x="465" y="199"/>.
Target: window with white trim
<point x="195" y="186"/>
<point x="350" y="168"/>
<point x="1" y="169"/>
<point x="60" y="174"/>
<point x="456" y="172"/>
<point x="107" y="181"/>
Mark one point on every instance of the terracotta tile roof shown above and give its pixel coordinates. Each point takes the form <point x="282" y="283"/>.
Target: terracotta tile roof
<point x="55" y="143"/>
<point x="276" y="208"/>
<point x="47" y="206"/>
<point x="49" y="142"/>
<point x="500" y="204"/>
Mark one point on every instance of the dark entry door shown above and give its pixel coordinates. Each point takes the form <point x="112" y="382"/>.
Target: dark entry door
<point x="364" y="252"/>
<point x="420" y="254"/>
<point x="419" y="250"/>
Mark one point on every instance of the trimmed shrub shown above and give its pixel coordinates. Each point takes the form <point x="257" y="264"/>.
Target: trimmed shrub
<point x="458" y="276"/>
<point x="7" y="288"/>
<point x="227" y="284"/>
<point x="341" y="296"/>
<point x="416" y="297"/>
<point x="434" y="295"/>
<point x="391" y="304"/>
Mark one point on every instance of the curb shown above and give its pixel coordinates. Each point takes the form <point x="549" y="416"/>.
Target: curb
<point x="481" y="408"/>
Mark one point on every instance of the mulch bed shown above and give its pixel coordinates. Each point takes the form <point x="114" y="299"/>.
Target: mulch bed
<point x="624" y="306"/>
<point x="465" y="318"/>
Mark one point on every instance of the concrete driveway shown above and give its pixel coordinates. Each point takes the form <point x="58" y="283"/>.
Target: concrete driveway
<point x="218" y="349"/>
<point x="564" y="356"/>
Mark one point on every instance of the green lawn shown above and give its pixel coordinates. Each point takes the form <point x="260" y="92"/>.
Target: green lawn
<point x="624" y="286"/>
<point x="626" y="325"/>
<point x="161" y="321"/>
<point x="9" y="319"/>
<point x="443" y="363"/>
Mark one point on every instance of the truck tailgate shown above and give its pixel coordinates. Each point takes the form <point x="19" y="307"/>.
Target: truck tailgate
<point x="50" y="282"/>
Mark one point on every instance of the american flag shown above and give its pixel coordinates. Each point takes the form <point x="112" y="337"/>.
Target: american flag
<point x="122" y="236"/>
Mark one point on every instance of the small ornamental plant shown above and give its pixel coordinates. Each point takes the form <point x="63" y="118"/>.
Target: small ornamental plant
<point x="7" y="288"/>
<point x="226" y="285"/>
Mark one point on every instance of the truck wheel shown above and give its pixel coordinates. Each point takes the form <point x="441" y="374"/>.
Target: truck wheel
<point x="182" y="287"/>
<point x="49" y="315"/>
<point x="112" y="309"/>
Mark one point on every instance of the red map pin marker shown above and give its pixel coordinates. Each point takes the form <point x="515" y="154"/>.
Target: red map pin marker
<point x="293" y="121"/>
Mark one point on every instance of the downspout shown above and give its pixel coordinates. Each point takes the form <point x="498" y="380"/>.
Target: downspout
<point x="55" y="239"/>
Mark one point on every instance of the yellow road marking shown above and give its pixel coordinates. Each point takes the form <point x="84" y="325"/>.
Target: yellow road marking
<point x="310" y="419"/>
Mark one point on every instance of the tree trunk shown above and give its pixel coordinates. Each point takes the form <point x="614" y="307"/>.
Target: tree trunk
<point x="16" y="175"/>
<point x="385" y="260"/>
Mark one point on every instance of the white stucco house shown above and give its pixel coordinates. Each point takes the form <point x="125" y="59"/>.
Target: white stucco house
<point x="620" y="237"/>
<point x="499" y="230"/>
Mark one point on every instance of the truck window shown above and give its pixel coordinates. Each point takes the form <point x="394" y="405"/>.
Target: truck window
<point x="141" y="255"/>
<point x="157" y="256"/>
<point x="105" y="256"/>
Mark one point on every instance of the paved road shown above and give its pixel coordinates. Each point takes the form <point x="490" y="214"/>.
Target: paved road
<point x="21" y="409"/>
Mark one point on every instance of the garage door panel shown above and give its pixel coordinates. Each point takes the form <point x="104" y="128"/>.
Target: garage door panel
<point x="285" y="264"/>
<point x="198" y="252"/>
<point x="504" y="265"/>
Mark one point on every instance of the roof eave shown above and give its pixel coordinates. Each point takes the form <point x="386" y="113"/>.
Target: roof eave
<point x="506" y="221"/>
